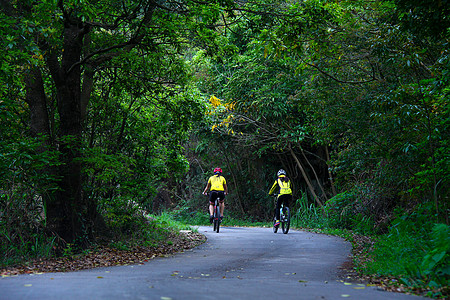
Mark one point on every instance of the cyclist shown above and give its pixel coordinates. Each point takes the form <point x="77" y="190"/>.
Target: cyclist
<point x="218" y="186"/>
<point x="285" y="194"/>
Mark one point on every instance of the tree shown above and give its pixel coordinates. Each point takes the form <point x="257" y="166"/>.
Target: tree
<point x="259" y="87"/>
<point x="353" y="80"/>
<point x="59" y="49"/>
<point x="377" y="99"/>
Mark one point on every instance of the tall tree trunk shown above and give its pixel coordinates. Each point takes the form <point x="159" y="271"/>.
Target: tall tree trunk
<point x="37" y="103"/>
<point x="235" y="181"/>
<point x="333" y="188"/>
<point x="88" y="80"/>
<point x="67" y="212"/>
<point x="305" y="176"/>
<point x="39" y="119"/>
<point x="315" y="175"/>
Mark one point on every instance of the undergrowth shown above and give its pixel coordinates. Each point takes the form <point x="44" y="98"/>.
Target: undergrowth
<point x="127" y="227"/>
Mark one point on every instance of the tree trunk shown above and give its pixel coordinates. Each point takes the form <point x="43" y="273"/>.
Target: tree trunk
<point x="333" y="188"/>
<point x="67" y="212"/>
<point x="235" y="181"/>
<point x="305" y="176"/>
<point x="315" y="175"/>
<point x="37" y="103"/>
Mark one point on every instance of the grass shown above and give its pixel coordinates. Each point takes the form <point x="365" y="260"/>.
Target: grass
<point x="22" y="249"/>
<point x="168" y="220"/>
<point x="421" y="260"/>
<point x="124" y="235"/>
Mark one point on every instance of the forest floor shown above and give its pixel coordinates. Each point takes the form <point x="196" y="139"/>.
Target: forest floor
<point x="106" y="256"/>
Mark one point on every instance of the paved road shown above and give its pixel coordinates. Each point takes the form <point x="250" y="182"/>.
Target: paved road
<point x="237" y="263"/>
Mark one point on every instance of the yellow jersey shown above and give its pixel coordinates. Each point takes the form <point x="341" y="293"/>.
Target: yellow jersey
<point x="285" y="186"/>
<point x="217" y="183"/>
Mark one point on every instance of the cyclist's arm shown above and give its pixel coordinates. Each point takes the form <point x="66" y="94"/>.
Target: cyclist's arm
<point x="208" y="185"/>
<point x="272" y="189"/>
<point x="225" y="188"/>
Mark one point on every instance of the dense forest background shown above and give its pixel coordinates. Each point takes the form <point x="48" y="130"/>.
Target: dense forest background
<point x="109" y="106"/>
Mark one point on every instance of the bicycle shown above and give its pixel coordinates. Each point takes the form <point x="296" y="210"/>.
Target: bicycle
<point x="216" y="215"/>
<point x="285" y="217"/>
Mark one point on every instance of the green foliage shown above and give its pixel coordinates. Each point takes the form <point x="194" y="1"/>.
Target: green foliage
<point x="167" y="219"/>
<point x="134" y="102"/>
<point x="435" y="265"/>
<point x="308" y="215"/>
<point x="346" y="211"/>
<point x="368" y="80"/>
<point x="424" y="17"/>
<point x="340" y="209"/>
<point x="131" y="226"/>
<point x="16" y="248"/>
<point x="26" y="180"/>
<point x="124" y="216"/>
<point x="188" y="216"/>
<point x="415" y="250"/>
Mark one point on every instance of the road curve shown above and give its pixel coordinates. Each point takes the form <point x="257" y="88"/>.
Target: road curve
<point x="237" y="263"/>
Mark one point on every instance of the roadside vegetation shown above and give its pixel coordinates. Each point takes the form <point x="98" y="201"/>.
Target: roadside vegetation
<point x="114" y="113"/>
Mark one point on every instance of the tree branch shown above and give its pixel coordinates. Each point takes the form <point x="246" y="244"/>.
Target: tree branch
<point x="341" y="81"/>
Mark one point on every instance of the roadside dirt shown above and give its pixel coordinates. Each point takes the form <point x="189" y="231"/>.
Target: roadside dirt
<point x="105" y="257"/>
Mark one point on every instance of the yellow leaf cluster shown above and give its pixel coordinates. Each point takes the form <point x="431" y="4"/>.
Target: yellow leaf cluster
<point x="230" y="106"/>
<point x="214" y="101"/>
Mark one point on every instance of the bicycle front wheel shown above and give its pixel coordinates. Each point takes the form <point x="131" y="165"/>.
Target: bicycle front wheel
<point x="217" y="219"/>
<point x="286" y="220"/>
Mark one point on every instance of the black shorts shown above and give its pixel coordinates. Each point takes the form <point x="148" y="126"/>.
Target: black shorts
<point x="214" y="194"/>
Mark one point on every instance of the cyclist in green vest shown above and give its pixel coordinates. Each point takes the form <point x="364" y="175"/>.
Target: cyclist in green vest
<point x="285" y="194"/>
<point x="218" y="186"/>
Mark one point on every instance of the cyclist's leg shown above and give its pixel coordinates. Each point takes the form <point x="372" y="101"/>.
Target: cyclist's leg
<point x="212" y="197"/>
<point x="285" y="199"/>
<point x="277" y="208"/>
<point x="222" y="203"/>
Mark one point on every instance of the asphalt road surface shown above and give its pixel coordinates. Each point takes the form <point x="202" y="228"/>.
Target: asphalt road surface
<point x="237" y="263"/>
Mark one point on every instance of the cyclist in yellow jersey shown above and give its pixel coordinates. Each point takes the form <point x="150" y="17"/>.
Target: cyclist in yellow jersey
<point x="285" y="194"/>
<point x="218" y="186"/>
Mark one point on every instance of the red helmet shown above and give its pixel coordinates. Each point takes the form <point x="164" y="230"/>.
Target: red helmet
<point x="217" y="170"/>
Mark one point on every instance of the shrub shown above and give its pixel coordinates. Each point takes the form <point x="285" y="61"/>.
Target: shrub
<point x="340" y="210"/>
<point x="416" y="250"/>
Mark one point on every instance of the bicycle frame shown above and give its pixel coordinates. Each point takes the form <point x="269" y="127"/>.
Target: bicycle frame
<point x="216" y="215"/>
<point x="285" y="217"/>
